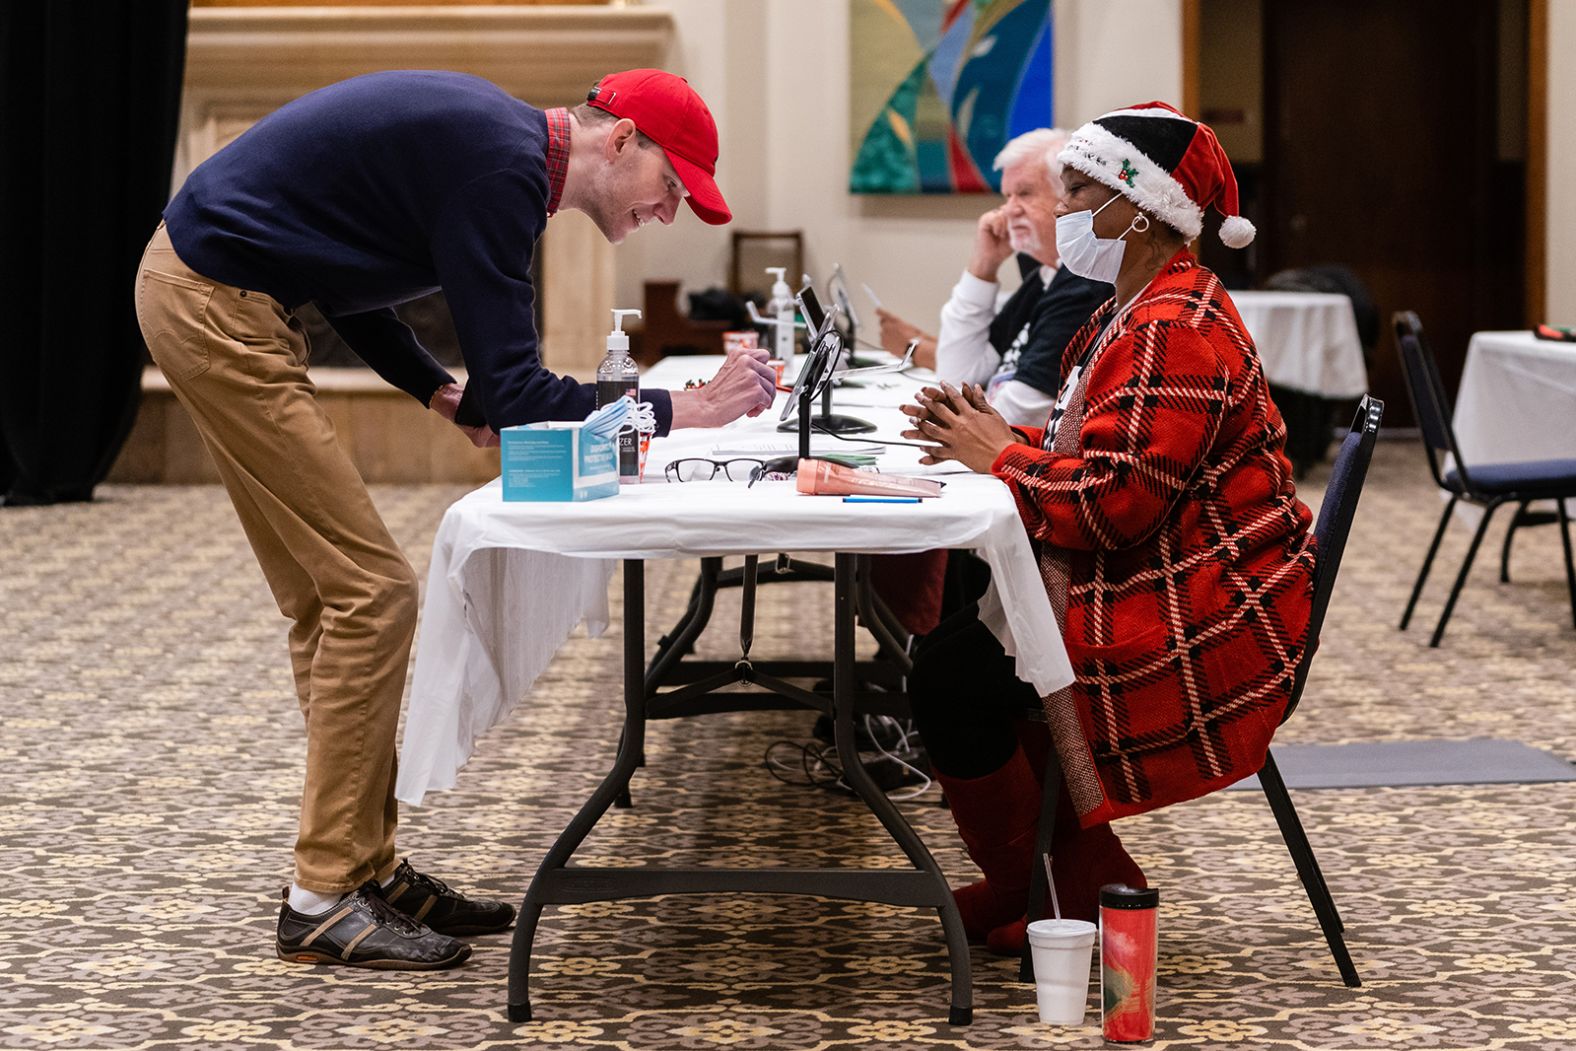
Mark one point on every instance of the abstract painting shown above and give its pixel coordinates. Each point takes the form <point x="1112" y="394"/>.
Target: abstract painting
<point x="937" y="87"/>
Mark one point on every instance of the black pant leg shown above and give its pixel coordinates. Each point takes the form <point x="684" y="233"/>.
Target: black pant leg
<point x="965" y="697"/>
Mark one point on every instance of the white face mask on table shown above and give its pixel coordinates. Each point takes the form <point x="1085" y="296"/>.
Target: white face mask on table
<point x="1088" y="256"/>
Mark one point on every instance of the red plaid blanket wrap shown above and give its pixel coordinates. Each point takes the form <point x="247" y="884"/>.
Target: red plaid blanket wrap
<point x="1174" y="547"/>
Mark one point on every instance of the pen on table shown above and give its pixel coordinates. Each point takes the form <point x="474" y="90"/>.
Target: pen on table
<point x="880" y="499"/>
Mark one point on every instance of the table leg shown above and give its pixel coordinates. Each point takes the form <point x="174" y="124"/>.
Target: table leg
<point x="672" y="647"/>
<point x="843" y="690"/>
<point x="630" y="749"/>
<point x="881" y="622"/>
<point x="677" y="642"/>
<point x="556" y="882"/>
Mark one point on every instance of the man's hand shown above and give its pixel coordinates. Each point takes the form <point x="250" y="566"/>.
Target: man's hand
<point x="744" y="386"/>
<point x="446" y="402"/>
<point x="962" y="423"/>
<point x="895" y="333"/>
<point x="992" y="246"/>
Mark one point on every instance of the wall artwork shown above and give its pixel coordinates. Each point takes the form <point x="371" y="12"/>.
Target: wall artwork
<point x="937" y="87"/>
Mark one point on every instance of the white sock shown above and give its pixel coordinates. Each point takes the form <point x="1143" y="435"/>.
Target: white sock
<point x="384" y="883"/>
<point x="310" y="901"/>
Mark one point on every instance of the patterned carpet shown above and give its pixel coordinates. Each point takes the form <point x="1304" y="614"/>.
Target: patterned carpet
<point x="153" y="758"/>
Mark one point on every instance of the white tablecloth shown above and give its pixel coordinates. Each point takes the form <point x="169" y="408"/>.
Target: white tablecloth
<point x="1517" y="400"/>
<point x="509" y="582"/>
<point x="1307" y="340"/>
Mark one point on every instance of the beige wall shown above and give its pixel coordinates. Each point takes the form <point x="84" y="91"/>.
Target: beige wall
<point x="776" y="75"/>
<point x="1561" y="193"/>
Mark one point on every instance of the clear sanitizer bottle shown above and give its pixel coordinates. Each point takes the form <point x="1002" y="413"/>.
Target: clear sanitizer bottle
<point x="617" y="377"/>
<point x="782" y="308"/>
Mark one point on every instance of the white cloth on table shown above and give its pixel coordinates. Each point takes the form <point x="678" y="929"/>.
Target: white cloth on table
<point x="1307" y="341"/>
<point x="509" y="582"/>
<point x="1517" y="396"/>
<point x="1517" y="399"/>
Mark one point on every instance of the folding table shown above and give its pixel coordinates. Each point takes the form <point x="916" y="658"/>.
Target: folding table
<point x="508" y="582"/>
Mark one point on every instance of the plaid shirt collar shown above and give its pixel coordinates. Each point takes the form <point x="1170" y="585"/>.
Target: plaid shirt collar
<point x="557" y="155"/>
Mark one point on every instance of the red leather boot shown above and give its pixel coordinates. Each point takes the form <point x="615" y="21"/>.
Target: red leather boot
<point x="997" y="816"/>
<point x="1082" y="860"/>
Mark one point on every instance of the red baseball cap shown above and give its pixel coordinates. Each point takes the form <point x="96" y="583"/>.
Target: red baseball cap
<point x="669" y="112"/>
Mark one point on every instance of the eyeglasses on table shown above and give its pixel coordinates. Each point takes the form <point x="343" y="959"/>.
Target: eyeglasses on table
<point x="701" y="469"/>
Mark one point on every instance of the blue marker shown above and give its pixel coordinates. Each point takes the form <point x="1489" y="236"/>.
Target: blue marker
<point x="880" y="499"/>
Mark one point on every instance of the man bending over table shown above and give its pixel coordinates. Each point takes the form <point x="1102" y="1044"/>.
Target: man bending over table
<point x="358" y="197"/>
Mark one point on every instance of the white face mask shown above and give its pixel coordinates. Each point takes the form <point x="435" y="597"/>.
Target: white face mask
<point x="1088" y="256"/>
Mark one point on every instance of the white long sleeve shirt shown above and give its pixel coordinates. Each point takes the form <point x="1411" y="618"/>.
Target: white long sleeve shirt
<point x="964" y="353"/>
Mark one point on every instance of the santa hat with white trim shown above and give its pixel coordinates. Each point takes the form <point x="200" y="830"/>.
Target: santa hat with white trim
<point x="1168" y="164"/>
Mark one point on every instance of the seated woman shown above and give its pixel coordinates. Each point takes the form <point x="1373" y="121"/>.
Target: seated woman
<point x="1170" y="538"/>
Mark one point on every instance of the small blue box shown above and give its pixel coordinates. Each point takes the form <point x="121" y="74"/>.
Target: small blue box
<point x="557" y="461"/>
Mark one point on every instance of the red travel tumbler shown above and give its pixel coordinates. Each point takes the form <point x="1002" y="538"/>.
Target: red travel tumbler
<point x="1128" y="947"/>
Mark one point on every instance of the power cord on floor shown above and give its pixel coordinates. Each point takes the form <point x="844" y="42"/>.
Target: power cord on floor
<point x="899" y="765"/>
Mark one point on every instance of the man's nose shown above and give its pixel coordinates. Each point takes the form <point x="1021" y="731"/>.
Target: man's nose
<point x="668" y="210"/>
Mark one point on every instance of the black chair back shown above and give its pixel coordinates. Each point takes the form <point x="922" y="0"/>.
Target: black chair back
<point x="1333" y="277"/>
<point x="1335" y="524"/>
<point x="1430" y="403"/>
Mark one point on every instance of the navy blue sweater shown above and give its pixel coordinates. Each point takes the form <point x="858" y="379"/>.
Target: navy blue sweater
<point x="380" y="189"/>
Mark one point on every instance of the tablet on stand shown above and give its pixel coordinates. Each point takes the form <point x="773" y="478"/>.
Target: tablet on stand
<point x="815" y="377"/>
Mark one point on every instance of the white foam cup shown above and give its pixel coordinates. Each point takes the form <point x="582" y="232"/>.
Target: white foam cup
<point x="1061" y="950"/>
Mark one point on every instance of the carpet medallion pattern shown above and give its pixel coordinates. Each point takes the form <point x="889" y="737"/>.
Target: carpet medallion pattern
<point x="152" y="755"/>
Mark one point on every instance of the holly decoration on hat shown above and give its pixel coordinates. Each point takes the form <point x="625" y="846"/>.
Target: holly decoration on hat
<point x="1128" y="173"/>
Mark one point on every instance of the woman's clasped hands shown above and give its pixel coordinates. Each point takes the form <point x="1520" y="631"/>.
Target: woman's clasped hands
<point x="961" y="426"/>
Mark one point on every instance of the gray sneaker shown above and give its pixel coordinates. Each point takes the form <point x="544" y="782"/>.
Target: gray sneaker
<point x="364" y="930"/>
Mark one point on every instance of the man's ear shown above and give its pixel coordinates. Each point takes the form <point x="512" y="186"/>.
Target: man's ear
<point x="621" y="138"/>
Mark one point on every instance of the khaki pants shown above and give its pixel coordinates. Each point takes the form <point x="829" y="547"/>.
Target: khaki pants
<point x="236" y="359"/>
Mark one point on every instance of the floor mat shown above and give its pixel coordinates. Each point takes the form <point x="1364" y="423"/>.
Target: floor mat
<point x="1386" y="764"/>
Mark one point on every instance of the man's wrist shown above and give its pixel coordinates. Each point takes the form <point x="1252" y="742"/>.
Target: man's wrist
<point x="690" y="409"/>
<point x="984" y="268"/>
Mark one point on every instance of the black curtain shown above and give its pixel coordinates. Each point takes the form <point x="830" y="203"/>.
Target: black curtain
<point x="89" y="102"/>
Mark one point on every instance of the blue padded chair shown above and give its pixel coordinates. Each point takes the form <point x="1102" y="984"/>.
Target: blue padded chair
<point x="1484" y="485"/>
<point x="1330" y="531"/>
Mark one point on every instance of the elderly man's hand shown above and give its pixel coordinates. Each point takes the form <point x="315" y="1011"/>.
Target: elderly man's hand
<point x="962" y="424"/>
<point x="992" y="245"/>
<point x="446" y="402"/>
<point x="744" y="386"/>
<point x="896" y="332"/>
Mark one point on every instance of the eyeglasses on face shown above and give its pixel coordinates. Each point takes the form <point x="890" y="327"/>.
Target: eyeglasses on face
<point x="700" y="469"/>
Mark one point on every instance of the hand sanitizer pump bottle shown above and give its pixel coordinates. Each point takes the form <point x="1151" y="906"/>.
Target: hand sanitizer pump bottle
<point x="782" y="308"/>
<point x="617" y="377"/>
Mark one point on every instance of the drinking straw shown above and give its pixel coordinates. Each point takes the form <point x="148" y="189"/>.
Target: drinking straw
<point x="1050" y="882"/>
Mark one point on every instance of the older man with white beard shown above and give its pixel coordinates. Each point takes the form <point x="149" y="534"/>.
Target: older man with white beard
<point x="1013" y="345"/>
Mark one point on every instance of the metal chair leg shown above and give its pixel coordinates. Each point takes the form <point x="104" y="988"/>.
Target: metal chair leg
<point x="1570" y="569"/>
<point x="1510" y="534"/>
<point x="1307" y="869"/>
<point x="1461" y="577"/>
<point x="1428" y="562"/>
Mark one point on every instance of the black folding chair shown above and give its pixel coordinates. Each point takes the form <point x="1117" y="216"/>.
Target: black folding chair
<point x="1331" y="529"/>
<point x="1482" y="485"/>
